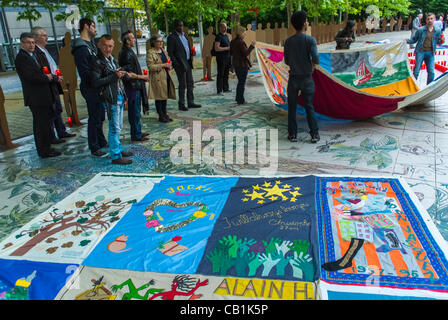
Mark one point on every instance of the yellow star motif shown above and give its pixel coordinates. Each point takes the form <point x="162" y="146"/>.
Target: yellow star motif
<point x="275" y="190"/>
<point x="297" y="188"/>
<point x="287" y="186"/>
<point x="260" y="201"/>
<point x="245" y="199"/>
<point x="266" y="184"/>
<point x="255" y="195"/>
<point x="284" y="198"/>
<point x="293" y="199"/>
<point x="256" y="187"/>
<point x="273" y="198"/>
<point x="295" y="193"/>
<point x="245" y="191"/>
<point x="278" y="182"/>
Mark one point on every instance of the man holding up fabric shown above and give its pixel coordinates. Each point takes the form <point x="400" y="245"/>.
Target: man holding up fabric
<point x="427" y="39"/>
<point x="300" y="54"/>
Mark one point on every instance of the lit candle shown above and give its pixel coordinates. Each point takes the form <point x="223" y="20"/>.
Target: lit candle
<point x="45" y="69"/>
<point x="145" y="72"/>
<point x="69" y="120"/>
<point x="168" y="61"/>
<point x="58" y="72"/>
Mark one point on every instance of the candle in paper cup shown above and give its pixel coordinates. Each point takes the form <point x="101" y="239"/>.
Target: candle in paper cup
<point x="45" y="69"/>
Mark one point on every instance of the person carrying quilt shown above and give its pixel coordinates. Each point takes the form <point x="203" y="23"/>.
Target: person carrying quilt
<point x="300" y="54"/>
<point x="346" y="36"/>
<point x="427" y="39"/>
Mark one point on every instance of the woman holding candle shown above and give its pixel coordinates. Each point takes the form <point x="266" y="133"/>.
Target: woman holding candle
<point x="161" y="86"/>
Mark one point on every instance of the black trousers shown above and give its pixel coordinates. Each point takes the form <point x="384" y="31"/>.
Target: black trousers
<point x="305" y="84"/>
<point x="185" y="78"/>
<point x="95" y="109"/>
<point x="222" y="77"/>
<point x="56" y="122"/>
<point x="41" y="129"/>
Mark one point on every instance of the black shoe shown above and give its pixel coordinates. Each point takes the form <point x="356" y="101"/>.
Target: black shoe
<point x="315" y="137"/>
<point x="244" y="102"/>
<point x="141" y="139"/>
<point x="145" y="134"/>
<point x="126" y="154"/>
<point x="194" y="105"/>
<point x="51" y="154"/>
<point x="122" y="161"/>
<point x="98" y="153"/>
<point x="68" y="135"/>
<point x="292" y="138"/>
<point x="183" y="108"/>
<point x="58" y="141"/>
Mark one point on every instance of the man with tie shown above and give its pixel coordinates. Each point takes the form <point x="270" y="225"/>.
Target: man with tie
<point x="46" y="60"/>
<point x="37" y="94"/>
<point x="182" y="60"/>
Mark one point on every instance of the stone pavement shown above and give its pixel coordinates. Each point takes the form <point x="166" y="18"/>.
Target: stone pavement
<point x="417" y="140"/>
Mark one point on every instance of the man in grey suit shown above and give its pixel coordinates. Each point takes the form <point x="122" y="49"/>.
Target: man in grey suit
<point x="182" y="60"/>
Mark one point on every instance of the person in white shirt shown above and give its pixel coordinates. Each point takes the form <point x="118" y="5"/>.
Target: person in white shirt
<point x="439" y="22"/>
<point x="46" y="60"/>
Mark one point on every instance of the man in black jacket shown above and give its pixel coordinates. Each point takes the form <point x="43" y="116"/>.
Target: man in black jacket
<point x="182" y="60"/>
<point x="106" y="78"/>
<point x="37" y="94"/>
<point x="222" y="49"/>
<point x="84" y="50"/>
<point x="46" y="60"/>
<point x="135" y="88"/>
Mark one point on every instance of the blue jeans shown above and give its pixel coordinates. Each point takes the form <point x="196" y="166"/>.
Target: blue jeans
<point x="134" y="116"/>
<point x="241" y="74"/>
<point x="428" y="57"/>
<point x="115" y="126"/>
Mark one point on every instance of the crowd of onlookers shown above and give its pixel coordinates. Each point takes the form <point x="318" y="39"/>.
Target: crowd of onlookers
<point x="108" y="83"/>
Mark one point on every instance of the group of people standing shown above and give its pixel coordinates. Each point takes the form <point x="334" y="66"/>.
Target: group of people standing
<point x="107" y="83"/>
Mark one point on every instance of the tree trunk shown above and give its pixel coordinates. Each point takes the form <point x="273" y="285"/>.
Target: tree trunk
<point x="148" y="14"/>
<point x="41" y="236"/>
<point x="165" y="14"/>
<point x="201" y="33"/>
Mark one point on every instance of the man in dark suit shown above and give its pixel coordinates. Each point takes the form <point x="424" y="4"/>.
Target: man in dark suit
<point x="37" y="94"/>
<point x="181" y="55"/>
<point x="46" y="60"/>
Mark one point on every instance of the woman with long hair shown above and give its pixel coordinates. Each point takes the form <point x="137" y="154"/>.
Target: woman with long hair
<point x="241" y="64"/>
<point x="346" y="36"/>
<point x="161" y="86"/>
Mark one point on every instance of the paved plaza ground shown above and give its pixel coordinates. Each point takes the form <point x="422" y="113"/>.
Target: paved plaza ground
<point x="418" y="137"/>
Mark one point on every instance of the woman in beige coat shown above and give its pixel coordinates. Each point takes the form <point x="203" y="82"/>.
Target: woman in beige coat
<point x="161" y="86"/>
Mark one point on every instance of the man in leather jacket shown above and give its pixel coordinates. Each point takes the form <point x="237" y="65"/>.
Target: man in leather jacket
<point x="106" y="77"/>
<point x="135" y="88"/>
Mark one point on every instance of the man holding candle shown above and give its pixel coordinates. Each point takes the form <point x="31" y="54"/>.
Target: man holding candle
<point x="135" y="87"/>
<point x="37" y="94"/>
<point x="46" y="61"/>
<point x="107" y="80"/>
<point x="181" y="54"/>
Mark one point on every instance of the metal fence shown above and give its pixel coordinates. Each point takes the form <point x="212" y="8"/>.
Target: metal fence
<point x="11" y="28"/>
